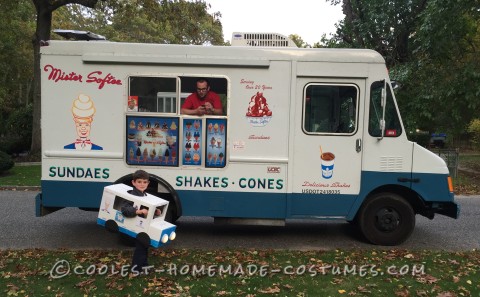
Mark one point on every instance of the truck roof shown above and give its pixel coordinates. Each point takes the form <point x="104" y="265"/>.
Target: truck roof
<point x="117" y="52"/>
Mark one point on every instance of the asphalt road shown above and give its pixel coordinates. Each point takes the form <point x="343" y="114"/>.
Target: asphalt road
<point x="76" y="229"/>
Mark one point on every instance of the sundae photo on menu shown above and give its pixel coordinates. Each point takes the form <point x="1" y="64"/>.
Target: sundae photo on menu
<point x="83" y="110"/>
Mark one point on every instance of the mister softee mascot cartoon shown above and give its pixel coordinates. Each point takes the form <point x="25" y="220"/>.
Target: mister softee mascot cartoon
<point x="83" y="111"/>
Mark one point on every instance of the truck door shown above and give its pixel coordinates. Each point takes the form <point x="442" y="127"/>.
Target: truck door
<point x="327" y="146"/>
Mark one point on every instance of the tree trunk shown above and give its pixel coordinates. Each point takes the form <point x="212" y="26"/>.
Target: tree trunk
<point x="42" y="34"/>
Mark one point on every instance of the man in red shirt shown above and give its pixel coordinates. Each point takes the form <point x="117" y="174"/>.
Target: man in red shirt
<point x="203" y="101"/>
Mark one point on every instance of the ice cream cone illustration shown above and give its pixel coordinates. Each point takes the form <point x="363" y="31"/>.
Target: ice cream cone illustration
<point x="209" y="157"/>
<point x="215" y="158"/>
<point x="167" y="156"/>
<point x="138" y="153"/>
<point x="210" y="127"/>
<point x="219" y="142"/>
<point x="222" y="128"/>
<point x="145" y="154"/>
<point x="174" y="156"/>
<point x="196" y="124"/>
<point x="220" y="156"/>
<point x="196" y="146"/>
<point x="131" y="154"/>
<point x="212" y="142"/>
<point x="215" y="128"/>
<point x="152" y="154"/>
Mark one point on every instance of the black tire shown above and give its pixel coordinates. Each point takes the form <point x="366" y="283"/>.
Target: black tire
<point x="111" y="226"/>
<point x="144" y="239"/>
<point x="386" y="219"/>
<point x="171" y="215"/>
<point x="126" y="240"/>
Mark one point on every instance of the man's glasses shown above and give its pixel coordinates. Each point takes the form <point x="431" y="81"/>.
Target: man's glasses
<point x="202" y="89"/>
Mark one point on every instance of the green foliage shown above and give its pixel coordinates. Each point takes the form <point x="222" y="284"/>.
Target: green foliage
<point x="146" y="21"/>
<point x="431" y="49"/>
<point x="6" y="162"/>
<point x="474" y="129"/>
<point x="299" y="41"/>
<point x="422" y="139"/>
<point x="17" y="20"/>
<point x="17" y="131"/>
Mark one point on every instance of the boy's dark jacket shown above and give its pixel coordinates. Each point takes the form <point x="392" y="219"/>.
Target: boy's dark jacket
<point x="127" y="208"/>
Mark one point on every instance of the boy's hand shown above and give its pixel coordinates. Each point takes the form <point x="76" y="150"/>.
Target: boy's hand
<point x="158" y="212"/>
<point x="142" y="212"/>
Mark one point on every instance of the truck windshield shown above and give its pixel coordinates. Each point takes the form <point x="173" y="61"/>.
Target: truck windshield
<point x="393" y="127"/>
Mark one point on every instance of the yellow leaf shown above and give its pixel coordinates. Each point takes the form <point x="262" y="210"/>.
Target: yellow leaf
<point x="342" y="291"/>
<point x="469" y="282"/>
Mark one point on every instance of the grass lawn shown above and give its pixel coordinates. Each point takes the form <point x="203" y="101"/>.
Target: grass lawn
<point x="21" y="176"/>
<point x="468" y="179"/>
<point x="242" y="273"/>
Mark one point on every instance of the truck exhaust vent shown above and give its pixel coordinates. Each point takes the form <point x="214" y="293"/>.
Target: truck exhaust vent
<point x="261" y="40"/>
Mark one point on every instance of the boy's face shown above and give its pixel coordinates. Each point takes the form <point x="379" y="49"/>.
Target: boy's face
<point x="140" y="184"/>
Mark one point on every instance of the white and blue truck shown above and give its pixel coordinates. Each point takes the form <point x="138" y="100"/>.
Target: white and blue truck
<point x="305" y="133"/>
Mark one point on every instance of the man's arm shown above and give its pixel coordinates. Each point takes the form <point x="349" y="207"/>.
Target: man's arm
<point x="199" y="111"/>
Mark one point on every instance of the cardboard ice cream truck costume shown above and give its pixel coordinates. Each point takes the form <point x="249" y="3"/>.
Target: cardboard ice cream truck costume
<point x="151" y="229"/>
<point x="305" y="133"/>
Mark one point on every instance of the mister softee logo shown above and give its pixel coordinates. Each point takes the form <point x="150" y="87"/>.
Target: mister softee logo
<point x="97" y="77"/>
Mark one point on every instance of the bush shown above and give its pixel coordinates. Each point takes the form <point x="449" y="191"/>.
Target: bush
<point x="6" y="162"/>
<point x="17" y="131"/>
<point x="421" y="139"/>
<point x="474" y="129"/>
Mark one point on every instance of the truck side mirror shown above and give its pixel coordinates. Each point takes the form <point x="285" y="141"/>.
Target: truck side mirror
<point x="383" y="103"/>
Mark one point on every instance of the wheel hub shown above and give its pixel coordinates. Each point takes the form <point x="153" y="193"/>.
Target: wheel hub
<point x="387" y="219"/>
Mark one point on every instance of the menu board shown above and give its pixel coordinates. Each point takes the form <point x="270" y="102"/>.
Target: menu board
<point x="192" y="142"/>
<point x="152" y="141"/>
<point x="215" y="152"/>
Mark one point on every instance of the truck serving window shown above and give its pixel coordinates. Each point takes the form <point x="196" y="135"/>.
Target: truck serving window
<point x="330" y="108"/>
<point x="393" y="128"/>
<point x="152" y="94"/>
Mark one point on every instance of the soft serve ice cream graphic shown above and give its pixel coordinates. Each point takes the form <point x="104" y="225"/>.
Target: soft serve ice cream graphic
<point x="258" y="112"/>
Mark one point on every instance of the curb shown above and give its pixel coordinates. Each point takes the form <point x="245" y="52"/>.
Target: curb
<point x="20" y="188"/>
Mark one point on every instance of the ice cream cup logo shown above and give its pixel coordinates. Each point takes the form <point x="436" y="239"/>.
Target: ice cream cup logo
<point x="328" y="161"/>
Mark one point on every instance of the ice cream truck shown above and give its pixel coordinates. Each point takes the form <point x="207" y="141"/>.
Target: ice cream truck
<point x="150" y="229"/>
<point x="304" y="134"/>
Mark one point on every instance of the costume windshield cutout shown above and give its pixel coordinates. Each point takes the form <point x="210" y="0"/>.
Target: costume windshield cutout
<point x="83" y="111"/>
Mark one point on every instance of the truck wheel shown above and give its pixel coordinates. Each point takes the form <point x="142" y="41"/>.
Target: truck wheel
<point x="111" y="226"/>
<point x="171" y="215"/>
<point x="144" y="239"/>
<point x="386" y="219"/>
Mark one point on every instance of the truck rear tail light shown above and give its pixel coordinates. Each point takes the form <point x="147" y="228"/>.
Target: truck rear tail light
<point x="173" y="235"/>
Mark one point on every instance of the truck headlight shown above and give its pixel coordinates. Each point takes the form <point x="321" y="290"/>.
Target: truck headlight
<point x="173" y="235"/>
<point x="164" y="238"/>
